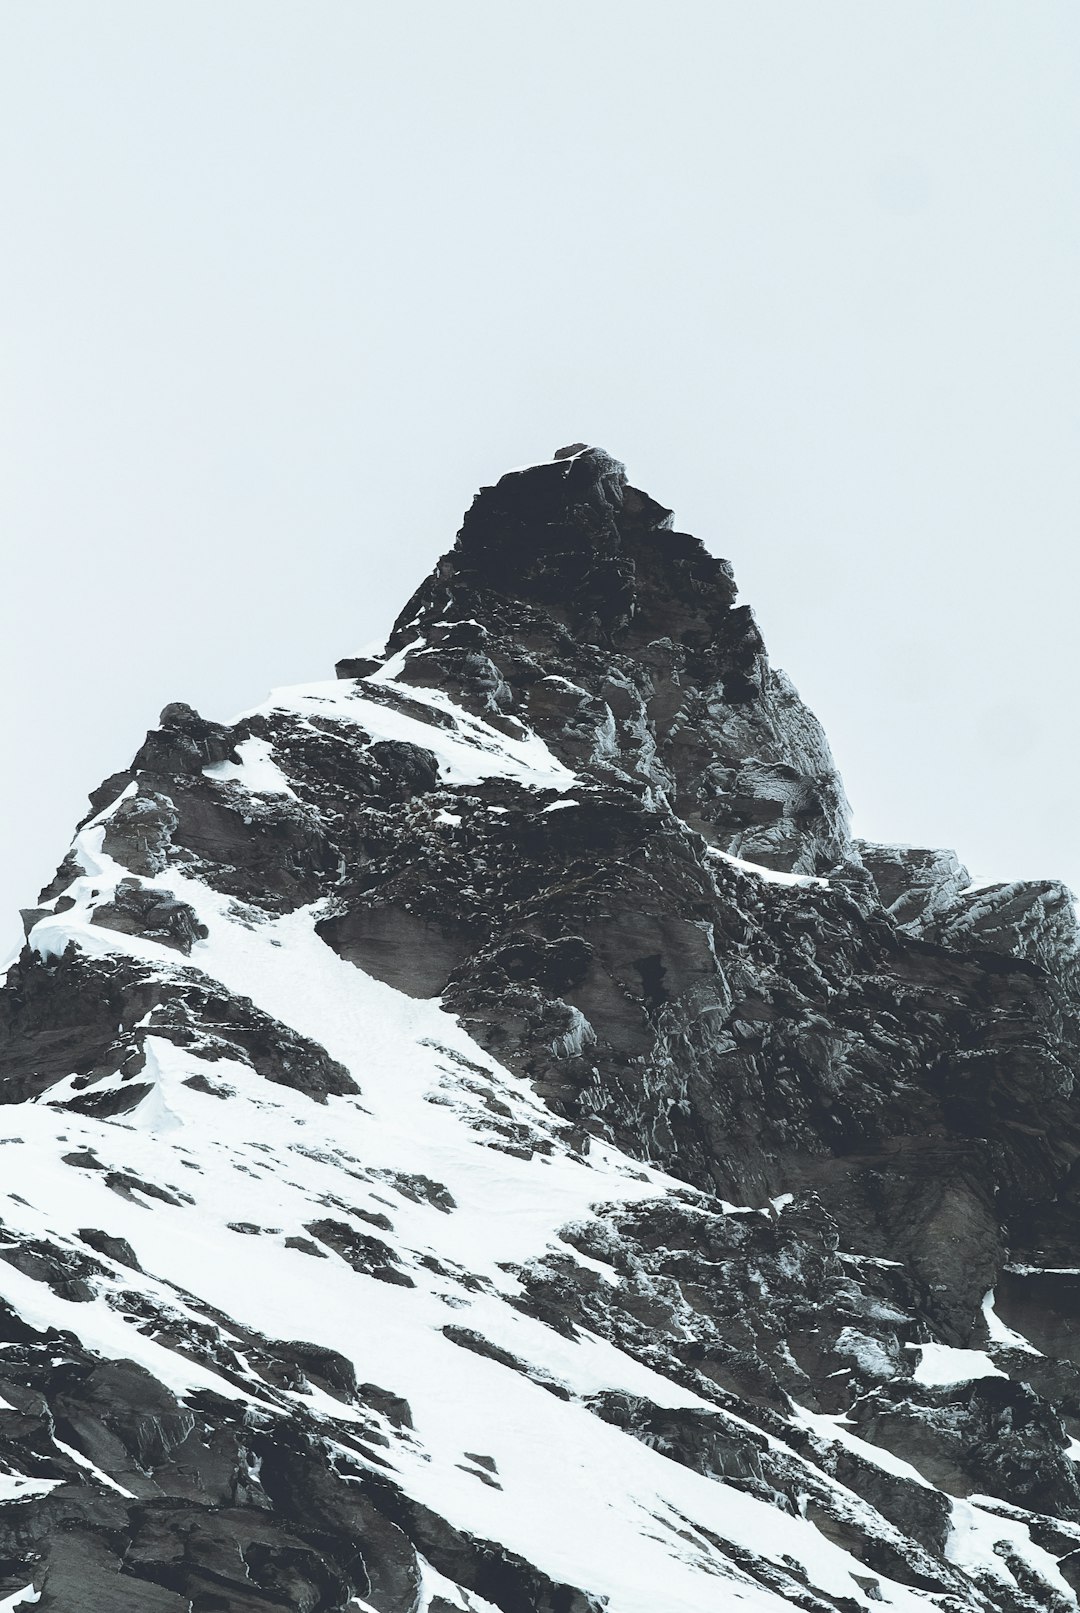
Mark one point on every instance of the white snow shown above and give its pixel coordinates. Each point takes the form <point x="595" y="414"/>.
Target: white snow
<point x="772" y="876"/>
<point x="433" y="1584"/>
<point x="941" y="1364"/>
<point x="256" y="771"/>
<point x="84" y="1462"/>
<point x="96" y="884"/>
<point x="1000" y="1334"/>
<point x="867" y="1260"/>
<point x="976" y="1539"/>
<point x="24" y="1598"/>
<point x="390" y="669"/>
<point x="1042" y="1271"/>
<point x="17" y="1487"/>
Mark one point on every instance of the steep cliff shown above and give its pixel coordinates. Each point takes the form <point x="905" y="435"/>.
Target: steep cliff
<point x="479" y="1133"/>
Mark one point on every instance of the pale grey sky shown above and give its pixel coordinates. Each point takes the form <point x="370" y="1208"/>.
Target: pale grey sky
<point x="283" y="281"/>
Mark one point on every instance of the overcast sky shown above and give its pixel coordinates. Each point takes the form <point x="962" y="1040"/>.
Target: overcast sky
<point x="283" y="281"/>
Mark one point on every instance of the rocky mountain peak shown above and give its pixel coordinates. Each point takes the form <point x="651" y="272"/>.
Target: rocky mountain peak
<point x="480" y="1137"/>
<point x="574" y="538"/>
<point x="571" y="606"/>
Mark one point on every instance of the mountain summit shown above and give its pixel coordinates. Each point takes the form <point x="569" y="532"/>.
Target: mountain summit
<point x="479" y="1134"/>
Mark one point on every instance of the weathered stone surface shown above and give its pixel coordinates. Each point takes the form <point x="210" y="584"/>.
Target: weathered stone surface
<point x="138" y="910"/>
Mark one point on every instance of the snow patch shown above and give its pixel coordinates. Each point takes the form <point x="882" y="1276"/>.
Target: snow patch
<point x="772" y="876"/>
<point x="979" y="1540"/>
<point x="256" y="771"/>
<point x="1002" y="1334"/>
<point x="90" y="1467"/>
<point x="24" y="1598"/>
<point x="17" y="1487"/>
<point x="942" y="1364"/>
<point x="396" y="664"/>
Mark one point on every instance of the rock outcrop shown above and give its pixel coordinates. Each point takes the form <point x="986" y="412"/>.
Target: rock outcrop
<point x="480" y="1133"/>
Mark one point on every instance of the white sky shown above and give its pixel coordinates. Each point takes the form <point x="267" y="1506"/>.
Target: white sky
<point x="282" y="283"/>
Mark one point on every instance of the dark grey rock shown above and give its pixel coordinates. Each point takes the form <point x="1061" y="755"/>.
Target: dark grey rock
<point x="117" y="1249"/>
<point x="158" y="915"/>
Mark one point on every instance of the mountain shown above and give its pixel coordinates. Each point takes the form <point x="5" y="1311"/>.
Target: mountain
<point x="478" y="1133"/>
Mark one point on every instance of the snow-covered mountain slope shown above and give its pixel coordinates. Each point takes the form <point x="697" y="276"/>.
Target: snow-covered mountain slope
<point x="479" y="1134"/>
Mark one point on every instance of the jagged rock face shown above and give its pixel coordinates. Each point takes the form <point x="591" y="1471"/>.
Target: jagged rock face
<point x="570" y="605"/>
<point x="480" y="1134"/>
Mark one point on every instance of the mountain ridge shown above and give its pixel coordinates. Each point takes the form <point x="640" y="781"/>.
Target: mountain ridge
<point x="516" y="1013"/>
